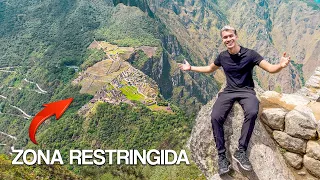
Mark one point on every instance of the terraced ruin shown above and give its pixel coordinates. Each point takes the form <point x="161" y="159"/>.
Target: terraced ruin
<point x="114" y="80"/>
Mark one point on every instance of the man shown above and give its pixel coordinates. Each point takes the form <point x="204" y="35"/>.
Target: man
<point x="238" y="63"/>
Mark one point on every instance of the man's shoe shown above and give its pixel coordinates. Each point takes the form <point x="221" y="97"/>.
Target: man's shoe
<point x="241" y="157"/>
<point x="224" y="164"/>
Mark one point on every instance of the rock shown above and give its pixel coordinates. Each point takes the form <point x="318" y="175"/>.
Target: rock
<point x="271" y="99"/>
<point x="290" y="143"/>
<point x="294" y="160"/>
<point x="312" y="87"/>
<point x="274" y="118"/>
<point x="312" y="165"/>
<point x="313" y="149"/>
<point x="294" y="99"/>
<point x="262" y="151"/>
<point x="300" y="123"/>
<point x="270" y="94"/>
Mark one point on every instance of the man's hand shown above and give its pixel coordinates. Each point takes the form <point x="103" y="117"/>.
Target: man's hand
<point x="284" y="61"/>
<point x="186" y="66"/>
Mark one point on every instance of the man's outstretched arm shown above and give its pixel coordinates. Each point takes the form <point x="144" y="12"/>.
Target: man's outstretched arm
<point x="203" y="69"/>
<point x="274" y="68"/>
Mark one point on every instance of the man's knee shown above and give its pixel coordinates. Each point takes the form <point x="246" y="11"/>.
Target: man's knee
<point x="217" y="118"/>
<point x="252" y="113"/>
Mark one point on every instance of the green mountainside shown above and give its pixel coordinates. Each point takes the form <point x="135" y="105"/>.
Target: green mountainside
<point x="45" y="45"/>
<point x="45" y="49"/>
<point x="269" y="27"/>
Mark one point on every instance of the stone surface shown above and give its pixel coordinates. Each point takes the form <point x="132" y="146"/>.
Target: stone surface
<point x="294" y="99"/>
<point x="300" y="123"/>
<point x="312" y="87"/>
<point x="290" y="143"/>
<point x="263" y="152"/>
<point x="312" y="165"/>
<point x="274" y="118"/>
<point x="271" y="99"/>
<point x="293" y="159"/>
<point x="313" y="149"/>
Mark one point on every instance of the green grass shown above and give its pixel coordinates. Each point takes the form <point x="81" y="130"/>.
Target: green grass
<point x="131" y="92"/>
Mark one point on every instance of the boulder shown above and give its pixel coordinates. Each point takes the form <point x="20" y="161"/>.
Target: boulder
<point x="290" y="143"/>
<point x="301" y="123"/>
<point x="313" y="149"/>
<point x="271" y="99"/>
<point x="312" y="165"/>
<point x="262" y="151"/>
<point x="311" y="89"/>
<point x="294" y="99"/>
<point x="274" y="118"/>
<point x="293" y="159"/>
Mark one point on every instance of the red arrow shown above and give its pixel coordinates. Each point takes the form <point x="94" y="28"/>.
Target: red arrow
<point x="55" y="108"/>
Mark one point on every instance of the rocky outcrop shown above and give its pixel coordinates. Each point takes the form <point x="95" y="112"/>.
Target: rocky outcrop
<point x="263" y="152"/>
<point x="312" y="87"/>
<point x="300" y="137"/>
<point x="286" y="138"/>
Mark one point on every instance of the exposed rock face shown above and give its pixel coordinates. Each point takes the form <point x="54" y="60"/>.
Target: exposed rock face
<point x="290" y="143"/>
<point x="294" y="160"/>
<point x="312" y="165"/>
<point x="312" y="87"/>
<point x="290" y="119"/>
<point x="300" y="125"/>
<point x="262" y="25"/>
<point x="262" y="149"/>
<point x="313" y="149"/>
<point x="274" y="118"/>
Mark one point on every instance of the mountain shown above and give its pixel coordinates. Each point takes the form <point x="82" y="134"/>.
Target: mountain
<point x="269" y="27"/>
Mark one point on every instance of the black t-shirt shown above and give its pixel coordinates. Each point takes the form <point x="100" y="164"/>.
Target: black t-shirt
<point x="238" y="68"/>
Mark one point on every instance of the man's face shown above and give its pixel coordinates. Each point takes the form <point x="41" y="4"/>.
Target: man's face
<point x="229" y="39"/>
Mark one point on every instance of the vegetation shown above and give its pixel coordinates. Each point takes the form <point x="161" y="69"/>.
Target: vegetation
<point x="121" y="127"/>
<point x="131" y="92"/>
<point x="300" y="71"/>
<point x="9" y="171"/>
<point x="140" y="59"/>
<point x="93" y="56"/>
<point x="40" y="40"/>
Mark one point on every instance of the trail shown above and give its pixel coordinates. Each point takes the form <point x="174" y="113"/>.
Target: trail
<point x="24" y="113"/>
<point x="1" y="70"/>
<point x="15" y="115"/>
<point x="41" y="90"/>
<point x="26" y="116"/>
<point x="12" y="137"/>
<point x="33" y="90"/>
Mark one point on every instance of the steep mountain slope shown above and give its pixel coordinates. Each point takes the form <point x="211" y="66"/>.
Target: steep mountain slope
<point x="270" y="27"/>
<point x="46" y="45"/>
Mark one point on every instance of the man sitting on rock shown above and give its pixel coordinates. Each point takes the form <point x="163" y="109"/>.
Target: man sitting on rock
<point x="238" y="63"/>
